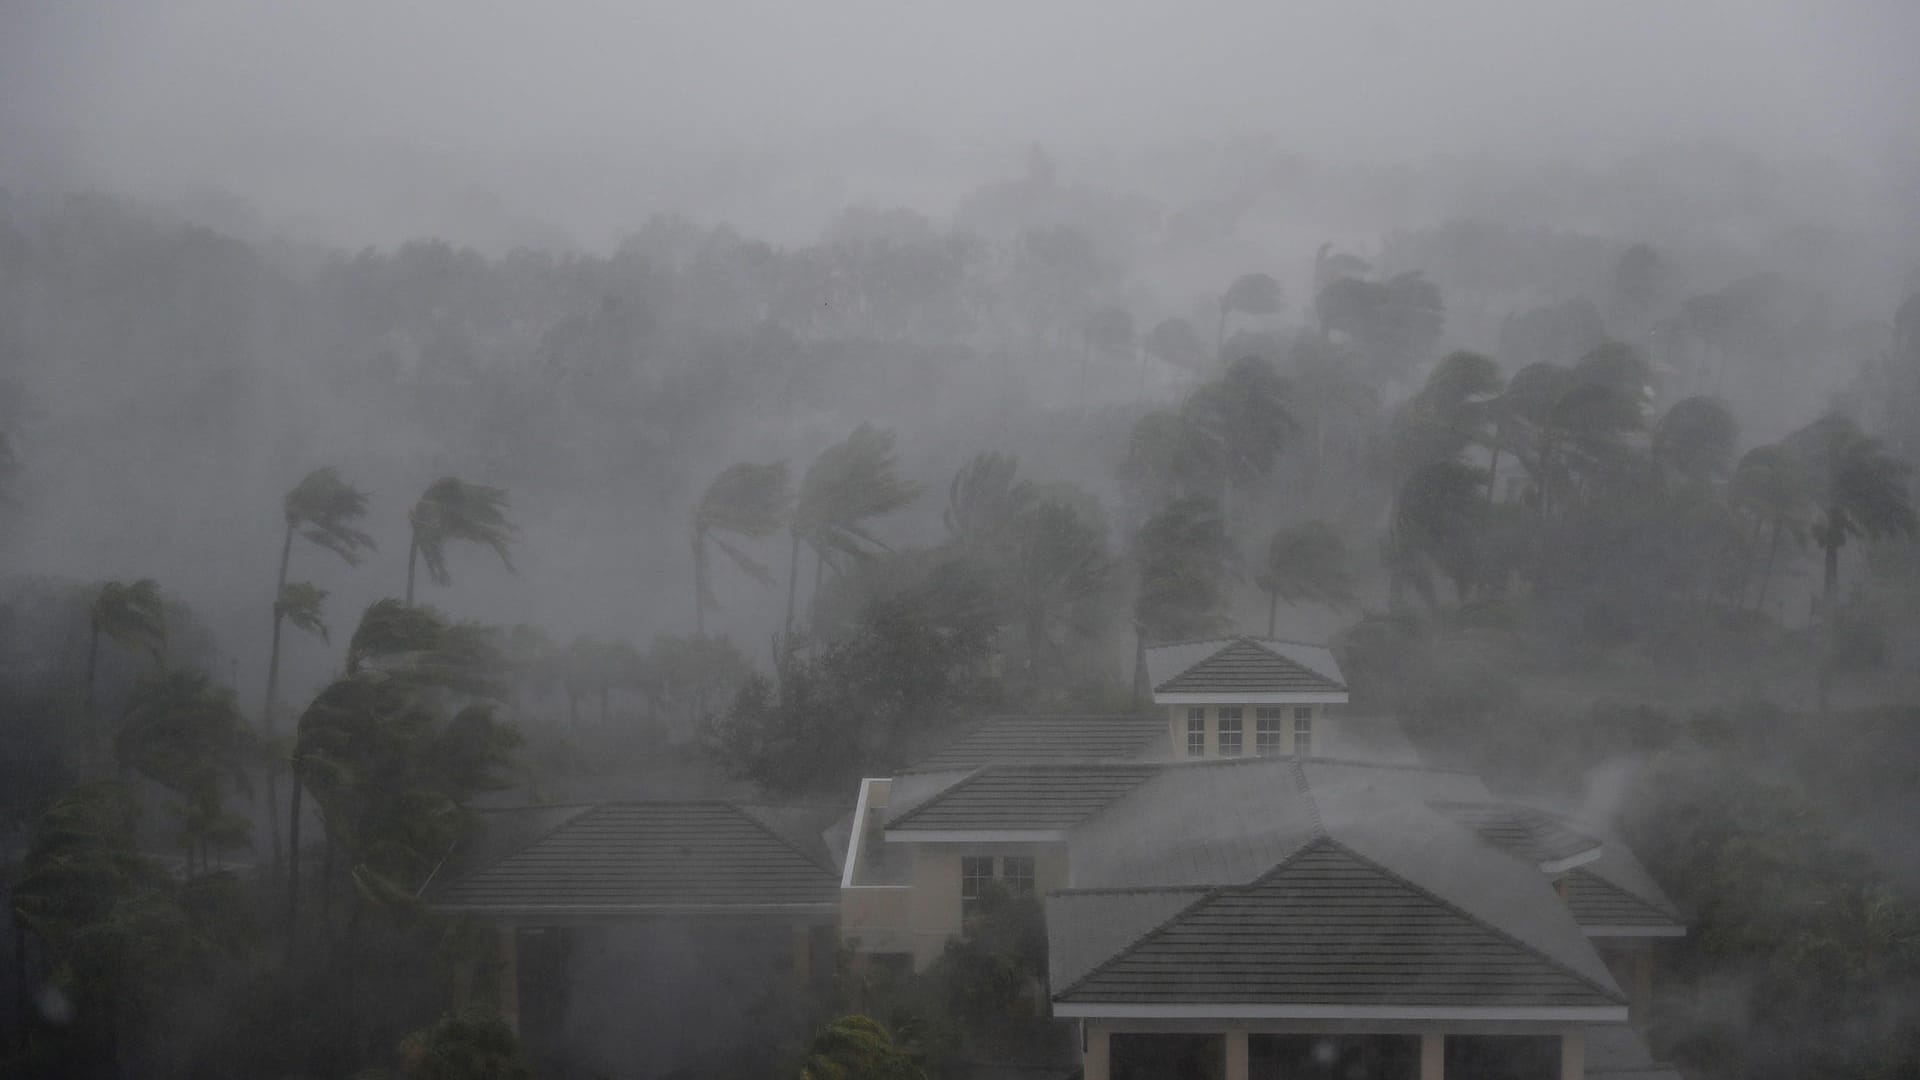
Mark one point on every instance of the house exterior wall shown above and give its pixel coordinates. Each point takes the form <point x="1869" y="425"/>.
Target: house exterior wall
<point x="934" y="909"/>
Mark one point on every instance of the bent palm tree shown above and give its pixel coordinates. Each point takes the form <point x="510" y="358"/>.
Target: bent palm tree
<point x="848" y="485"/>
<point x="745" y="500"/>
<point x="1306" y="563"/>
<point x="322" y="509"/>
<point x="1770" y="484"/>
<point x="1252" y="294"/>
<point x="452" y="509"/>
<point x="132" y="616"/>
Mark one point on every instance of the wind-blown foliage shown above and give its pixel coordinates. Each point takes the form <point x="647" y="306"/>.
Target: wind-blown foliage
<point x="747" y="501"/>
<point x="453" y="510"/>
<point x="1306" y="563"/>
<point x="1185" y="561"/>
<point x="847" y="486"/>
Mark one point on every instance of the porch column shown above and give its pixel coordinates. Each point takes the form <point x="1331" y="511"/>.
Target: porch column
<point x="1094" y="1065"/>
<point x="1236" y="1054"/>
<point x="1573" y="1055"/>
<point x="802" y="956"/>
<point x="1433" y="1056"/>
<point x="1642" y="1000"/>
<point x="507" y="938"/>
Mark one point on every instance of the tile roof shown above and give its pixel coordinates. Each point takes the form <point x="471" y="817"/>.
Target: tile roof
<point x="643" y="858"/>
<point x="1243" y="665"/>
<point x="1021" y="797"/>
<point x="1529" y="832"/>
<point x="1596" y="901"/>
<point x="1008" y="740"/>
<point x="1330" y="927"/>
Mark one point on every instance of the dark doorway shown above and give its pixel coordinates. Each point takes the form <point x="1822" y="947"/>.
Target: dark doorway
<point x="1503" y="1057"/>
<point x="1333" y="1057"/>
<point x="1168" y="1057"/>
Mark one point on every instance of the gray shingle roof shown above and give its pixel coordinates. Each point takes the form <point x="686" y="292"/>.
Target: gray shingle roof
<point x="1022" y="797"/>
<point x="1595" y="901"/>
<point x="1329" y="927"/>
<point x="1009" y="740"/>
<point x="1528" y="832"/>
<point x="648" y="858"/>
<point x="1243" y="665"/>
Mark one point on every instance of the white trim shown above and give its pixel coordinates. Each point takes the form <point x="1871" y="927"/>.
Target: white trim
<point x="1634" y="931"/>
<point x="1320" y="697"/>
<point x="617" y="910"/>
<point x="1576" y="1014"/>
<point x="1578" y="858"/>
<point x="859" y="832"/>
<point x="978" y="836"/>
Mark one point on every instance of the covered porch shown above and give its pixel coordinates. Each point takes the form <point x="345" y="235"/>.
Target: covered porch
<point x="1197" y="1050"/>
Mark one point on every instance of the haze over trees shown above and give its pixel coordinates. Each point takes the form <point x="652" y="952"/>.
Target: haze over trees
<point x="1596" y="470"/>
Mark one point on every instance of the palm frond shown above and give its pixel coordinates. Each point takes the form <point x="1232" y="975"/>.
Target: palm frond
<point x="322" y="508"/>
<point x="302" y="603"/>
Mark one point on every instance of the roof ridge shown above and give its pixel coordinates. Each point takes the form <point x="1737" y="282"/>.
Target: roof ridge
<point x="1129" y="890"/>
<point x="968" y="776"/>
<point x="781" y="840"/>
<point x="1306" y="793"/>
<point x="1674" y="915"/>
<point x="1532" y="950"/>
<point x="586" y="809"/>
<point x="1207" y="893"/>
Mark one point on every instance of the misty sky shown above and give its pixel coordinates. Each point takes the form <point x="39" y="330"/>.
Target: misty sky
<point x="615" y="104"/>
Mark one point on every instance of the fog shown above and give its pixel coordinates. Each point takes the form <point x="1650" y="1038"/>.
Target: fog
<point x="822" y="378"/>
<point x="354" y="122"/>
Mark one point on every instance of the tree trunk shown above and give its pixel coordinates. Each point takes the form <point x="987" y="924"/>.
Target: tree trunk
<point x="1831" y="541"/>
<point x="1766" y="572"/>
<point x="293" y="871"/>
<point x="1273" y="611"/>
<point x="813" y="599"/>
<point x="1493" y="474"/>
<point x="266" y="711"/>
<point x="21" y="993"/>
<point x="699" y="583"/>
<point x="413" y="552"/>
<point x="326" y="871"/>
<point x="95" y="737"/>
<point x="793" y="583"/>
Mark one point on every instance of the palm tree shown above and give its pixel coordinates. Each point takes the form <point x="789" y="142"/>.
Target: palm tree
<point x="1185" y="559"/>
<point x="1453" y="411"/>
<point x="1248" y="417"/>
<point x="1110" y="330"/>
<point x="1060" y="567"/>
<point x="188" y="736"/>
<point x="1695" y="438"/>
<point x="132" y="616"/>
<point x="1306" y="563"/>
<point x="745" y="500"/>
<point x="848" y="485"/>
<point x="1858" y="490"/>
<point x="1175" y="342"/>
<point x="1438" y="517"/>
<point x="985" y="502"/>
<point x="1770" y="484"/>
<point x="323" y="509"/>
<point x="452" y="509"/>
<point x="1251" y="294"/>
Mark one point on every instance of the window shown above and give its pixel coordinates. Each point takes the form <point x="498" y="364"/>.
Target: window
<point x="1017" y="872"/>
<point x="975" y="872"/>
<point x="1303" y="712"/>
<point x="1196" y="732"/>
<point x="1302" y="733"/>
<point x="1266" y="731"/>
<point x="1230" y="731"/>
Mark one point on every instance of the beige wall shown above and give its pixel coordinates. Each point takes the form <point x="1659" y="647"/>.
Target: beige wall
<point x="934" y="908"/>
<point x="1249" y="728"/>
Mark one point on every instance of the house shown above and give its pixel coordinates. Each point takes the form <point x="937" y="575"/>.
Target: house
<point x="1235" y="907"/>
<point x="638" y="938"/>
